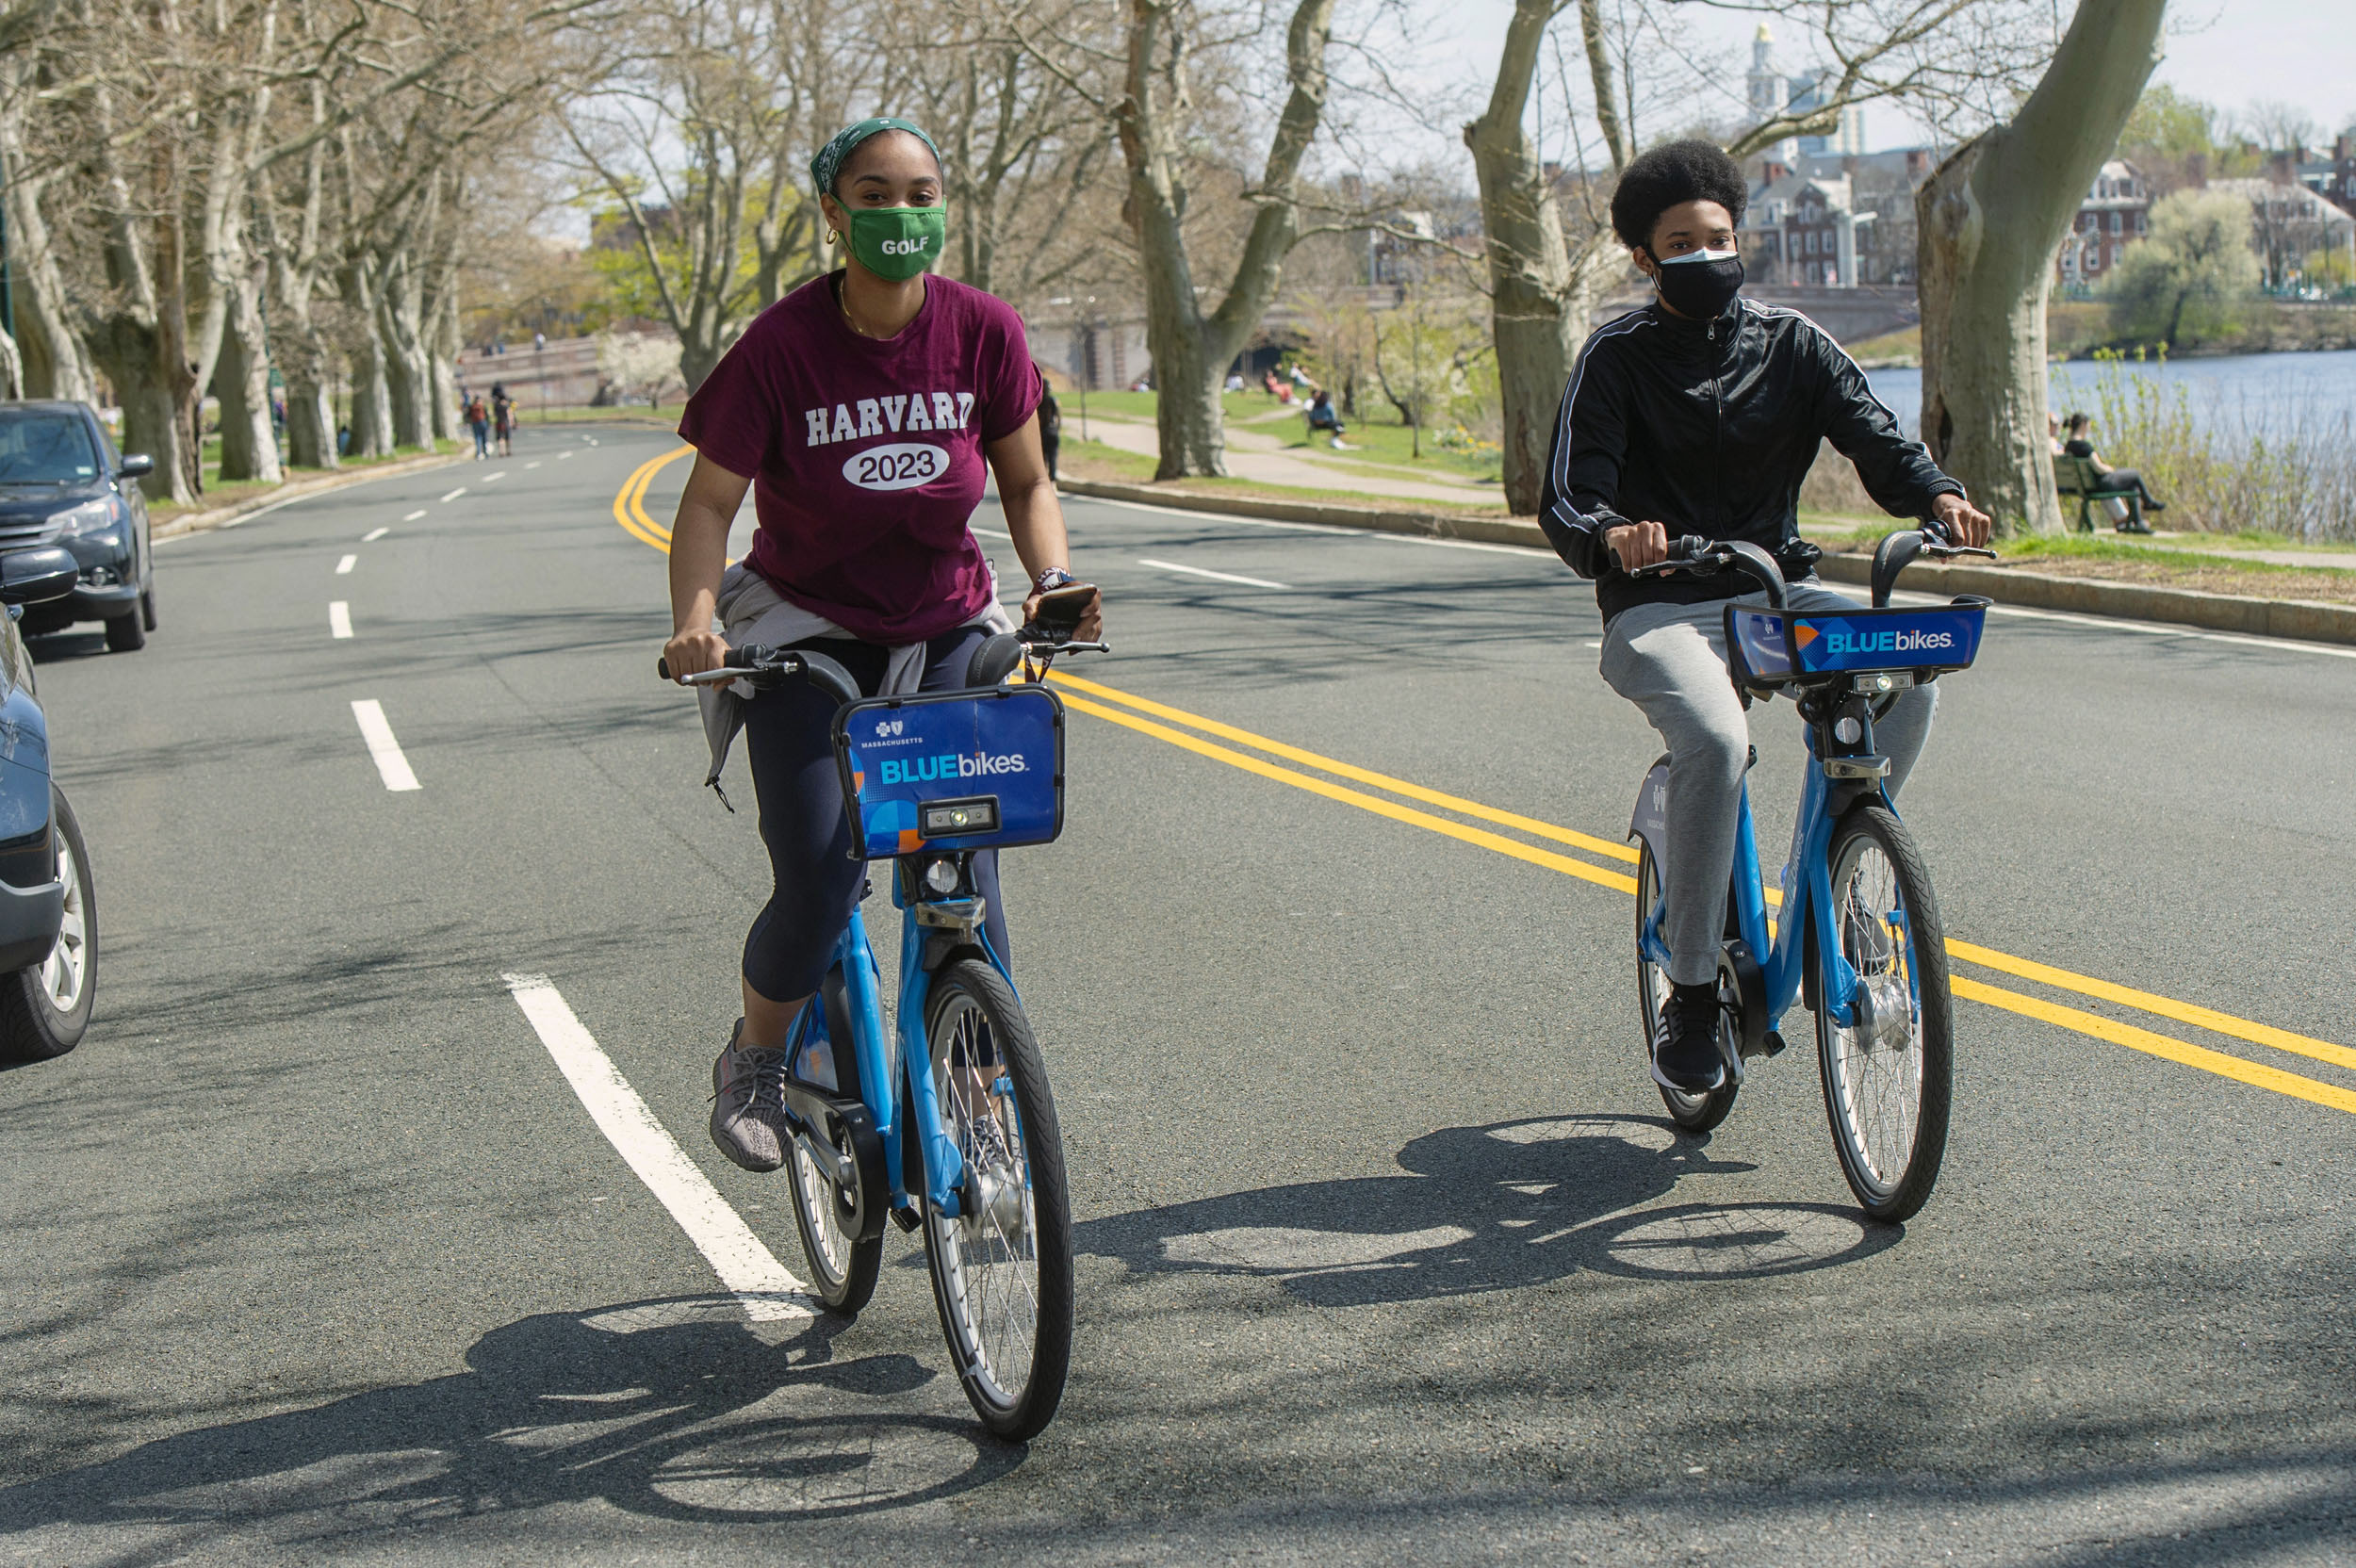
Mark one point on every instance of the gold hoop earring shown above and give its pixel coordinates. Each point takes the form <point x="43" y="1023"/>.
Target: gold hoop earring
<point x="831" y="237"/>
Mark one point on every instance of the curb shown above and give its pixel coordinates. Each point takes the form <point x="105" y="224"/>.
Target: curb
<point x="1427" y="525"/>
<point x="2300" y="620"/>
<point x="295" y="490"/>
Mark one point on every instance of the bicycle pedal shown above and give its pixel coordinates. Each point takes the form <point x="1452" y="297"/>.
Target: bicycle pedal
<point x="1773" y="1046"/>
<point x="906" y="1218"/>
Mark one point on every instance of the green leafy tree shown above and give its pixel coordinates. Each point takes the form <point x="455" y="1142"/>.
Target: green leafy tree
<point x="2185" y="279"/>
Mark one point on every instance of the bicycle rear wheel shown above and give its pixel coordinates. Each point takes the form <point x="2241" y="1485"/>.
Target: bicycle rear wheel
<point x="1695" y="1112"/>
<point x="1002" y="1271"/>
<point x="843" y="1267"/>
<point x="1889" y="1076"/>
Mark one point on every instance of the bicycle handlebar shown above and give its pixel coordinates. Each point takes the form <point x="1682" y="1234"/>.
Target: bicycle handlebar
<point x="767" y="665"/>
<point x="761" y="663"/>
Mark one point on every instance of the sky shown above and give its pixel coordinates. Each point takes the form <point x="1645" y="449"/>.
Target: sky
<point x="2226" y="52"/>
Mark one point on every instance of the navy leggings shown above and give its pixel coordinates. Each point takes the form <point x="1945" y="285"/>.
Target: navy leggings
<point x="789" y="738"/>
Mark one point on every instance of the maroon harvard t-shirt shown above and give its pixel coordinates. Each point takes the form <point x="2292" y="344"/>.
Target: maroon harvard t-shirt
<point x="866" y="456"/>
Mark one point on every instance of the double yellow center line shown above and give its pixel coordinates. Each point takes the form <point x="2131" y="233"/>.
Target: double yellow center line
<point x="1131" y="712"/>
<point x="1189" y="731"/>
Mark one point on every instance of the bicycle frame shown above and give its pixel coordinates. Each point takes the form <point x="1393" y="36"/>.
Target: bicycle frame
<point x="1806" y="900"/>
<point x="899" y="1094"/>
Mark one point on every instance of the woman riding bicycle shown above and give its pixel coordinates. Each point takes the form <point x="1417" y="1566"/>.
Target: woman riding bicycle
<point x="1700" y="414"/>
<point x="862" y="409"/>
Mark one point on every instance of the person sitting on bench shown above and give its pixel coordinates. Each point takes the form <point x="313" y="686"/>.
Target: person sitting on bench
<point x="2112" y="478"/>
<point x="1321" y="416"/>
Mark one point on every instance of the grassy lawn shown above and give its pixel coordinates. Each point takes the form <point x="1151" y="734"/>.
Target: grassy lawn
<point x="1094" y="460"/>
<point x="1394" y="445"/>
<point x="218" y="495"/>
<point x="2185" y="565"/>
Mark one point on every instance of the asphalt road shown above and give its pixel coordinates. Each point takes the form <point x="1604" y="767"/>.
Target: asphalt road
<point x="313" y="1253"/>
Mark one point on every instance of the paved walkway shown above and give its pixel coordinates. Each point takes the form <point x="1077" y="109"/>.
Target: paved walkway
<point x="1264" y="459"/>
<point x="2344" y="560"/>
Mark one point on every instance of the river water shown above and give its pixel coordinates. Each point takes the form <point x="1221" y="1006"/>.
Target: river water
<point x="2286" y="392"/>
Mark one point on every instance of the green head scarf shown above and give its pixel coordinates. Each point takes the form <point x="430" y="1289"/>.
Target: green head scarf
<point x="827" y="165"/>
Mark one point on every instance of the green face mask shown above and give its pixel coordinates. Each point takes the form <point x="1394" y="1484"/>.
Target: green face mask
<point x="898" y="242"/>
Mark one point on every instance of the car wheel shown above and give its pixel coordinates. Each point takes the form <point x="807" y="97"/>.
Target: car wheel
<point x="43" y="1009"/>
<point x="126" y="633"/>
<point x="147" y="609"/>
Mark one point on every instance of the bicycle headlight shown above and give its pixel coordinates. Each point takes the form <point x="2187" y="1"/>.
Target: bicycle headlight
<point x="961" y="819"/>
<point x="84" y="517"/>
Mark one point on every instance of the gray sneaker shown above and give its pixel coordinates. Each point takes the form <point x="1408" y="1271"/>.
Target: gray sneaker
<point x="747" y="1113"/>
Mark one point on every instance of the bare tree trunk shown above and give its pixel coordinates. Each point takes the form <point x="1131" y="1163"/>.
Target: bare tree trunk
<point x="11" y="367"/>
<point x="1989" y="223"/>
<point x="410" y="377"/>
<point x="248" y="445"/>
<point x="1192" y="350"/>
<point x="371" y="391"/>
<point x="58" y="361"/>
<point x="303" y="354"/>
<point x="1539" y="297"/>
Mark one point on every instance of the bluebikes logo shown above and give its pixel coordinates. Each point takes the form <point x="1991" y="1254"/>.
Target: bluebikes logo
<point x="927" y="769"/>
<point x="1936" y="639"/>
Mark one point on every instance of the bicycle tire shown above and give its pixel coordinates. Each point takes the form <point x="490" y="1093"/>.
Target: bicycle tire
<point x="843" y="1269"/>
<point x="1693" y="1113"/>
<point x="1002" y="1278"/>
<point x="1888" y="1103"/>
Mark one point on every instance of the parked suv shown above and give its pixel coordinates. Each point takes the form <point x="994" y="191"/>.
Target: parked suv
<point x="63" y="484"/>
<point x="48" y="907"/>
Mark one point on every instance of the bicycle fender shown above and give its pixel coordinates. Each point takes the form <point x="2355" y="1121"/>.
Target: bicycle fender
<point x="1650" y="821"/>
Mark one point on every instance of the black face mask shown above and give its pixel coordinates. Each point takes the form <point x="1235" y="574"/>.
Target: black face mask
<point x="1700" y="283"/>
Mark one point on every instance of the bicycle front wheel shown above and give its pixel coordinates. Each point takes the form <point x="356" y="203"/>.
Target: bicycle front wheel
<point x="1889" y="1075"/>
<point x="1002" y="1270"/>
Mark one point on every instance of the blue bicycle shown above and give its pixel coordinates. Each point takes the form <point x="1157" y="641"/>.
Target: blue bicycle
<point x="946" y="1125"/>
<point x="1859" y="935"/>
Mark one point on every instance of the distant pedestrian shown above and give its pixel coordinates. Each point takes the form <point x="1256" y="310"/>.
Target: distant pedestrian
<point x="1323" y="418"/>
<point x="539" y="342"/>
<point x="1050" y="423"/>
<point x="478" y="421"/>
<point x="503" y="418"/>
<point x="2081" y="445"/>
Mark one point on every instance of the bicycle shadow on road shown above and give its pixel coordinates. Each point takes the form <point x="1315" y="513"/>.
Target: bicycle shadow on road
<point x="674" y="1408"/>
<point x="1492" y="1208"/>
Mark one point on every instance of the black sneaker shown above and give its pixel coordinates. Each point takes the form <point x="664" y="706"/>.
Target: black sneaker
<point x="1685" y="1054"/>
<point x="748" y="1114"/>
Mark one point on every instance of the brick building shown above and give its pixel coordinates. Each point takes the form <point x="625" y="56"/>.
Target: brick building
<point x="2115" y="212"/>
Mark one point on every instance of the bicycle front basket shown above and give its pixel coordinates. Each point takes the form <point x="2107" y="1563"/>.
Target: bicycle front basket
<point x="1774" y="647"/>
<point x="959" y="770"/>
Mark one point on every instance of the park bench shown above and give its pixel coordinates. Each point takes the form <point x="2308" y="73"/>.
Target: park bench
<point x="2076" y="475"/>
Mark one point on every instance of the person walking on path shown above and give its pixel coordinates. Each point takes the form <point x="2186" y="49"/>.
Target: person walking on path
<point x="503" y="418"/>
<point x="1050" y="423"/>
<point x="478" y="421"/>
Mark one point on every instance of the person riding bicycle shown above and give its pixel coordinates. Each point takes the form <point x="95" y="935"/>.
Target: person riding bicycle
<point x="1700" y="413"/>
<point x="862" y="409"/>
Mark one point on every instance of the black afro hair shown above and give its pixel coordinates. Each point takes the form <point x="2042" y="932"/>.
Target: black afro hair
<point x="1675" y="172"/>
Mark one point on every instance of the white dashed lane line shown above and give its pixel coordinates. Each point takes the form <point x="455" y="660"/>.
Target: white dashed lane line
<point x="562" y="457"/>
<point x="343" y="567"/>
<point x="1215" y="577"/>
<point x="453" y="495"/>
<point x="529" y="467"/>
<point x="494" y="479"/>
<point x="375" y="533"/>
<point x="339" y="619"/>
<point x="385" y="751"/>
<point x="739" y="1258"/>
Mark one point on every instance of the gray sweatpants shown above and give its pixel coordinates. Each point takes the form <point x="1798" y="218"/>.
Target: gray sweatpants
<point x="1670" y="659"/>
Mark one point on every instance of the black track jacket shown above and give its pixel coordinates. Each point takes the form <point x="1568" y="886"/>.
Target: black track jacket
<point x="1709" y="427"/>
